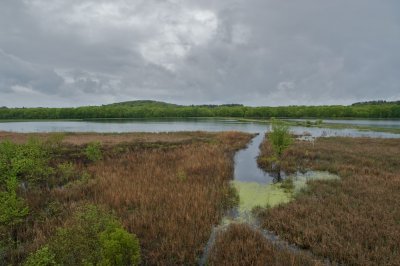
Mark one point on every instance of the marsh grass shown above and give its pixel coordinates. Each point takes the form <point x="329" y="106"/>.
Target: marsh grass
<point x="240" y="244"/>
<point x="354" y="221"/>
<point x="104" y="138"/>
<point x="169" y="198"/>
<point x="168" y="189"/>
<point x="287" y="185"/>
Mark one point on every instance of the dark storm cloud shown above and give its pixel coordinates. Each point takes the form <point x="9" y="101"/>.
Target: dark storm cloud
<point x="257" y="52"/>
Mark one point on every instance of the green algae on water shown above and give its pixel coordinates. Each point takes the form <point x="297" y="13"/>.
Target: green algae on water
<point x="253" y="194"/>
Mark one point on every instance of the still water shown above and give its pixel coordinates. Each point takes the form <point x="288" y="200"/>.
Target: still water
<point x="358" y="122"/>
<point x="173" y="125"/>
<point x="246" y="168"/>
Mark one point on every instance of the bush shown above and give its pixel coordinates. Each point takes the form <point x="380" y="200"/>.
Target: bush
<point x="13" y="211"/>
<point x="119" y="248"/>
<point x="28" y="162"/>
<point x="42" y="257"/>
<point x="93" y="237"/>
<point x="66" y="172"/>
<point x="279" y="137"/>
<point x="78" y="241"/>
<point x="12" y="208"/>
<point x="93" y="151"/>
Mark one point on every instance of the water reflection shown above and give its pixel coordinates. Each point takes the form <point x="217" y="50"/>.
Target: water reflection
<point x="358" y="122"/>
<point x="246" y="168"/>
<point x="173" y="125"/>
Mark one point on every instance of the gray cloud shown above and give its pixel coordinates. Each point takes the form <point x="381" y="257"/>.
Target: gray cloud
<point x="16" y="74"/>
<point x="256" y="52"/>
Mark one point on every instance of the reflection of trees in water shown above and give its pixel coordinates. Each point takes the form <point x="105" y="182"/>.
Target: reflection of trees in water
<point x="277" y="175"/>
<point x="280" y="139"/>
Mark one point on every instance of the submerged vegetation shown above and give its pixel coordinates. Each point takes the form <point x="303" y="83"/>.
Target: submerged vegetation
<point x="254" y="195"/>
<point x="152" y="109"/>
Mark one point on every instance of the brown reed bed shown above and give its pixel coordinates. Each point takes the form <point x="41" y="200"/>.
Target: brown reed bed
<point x="168" y="189"/>
<point x="241" y="244"/>
<point x="104" y="138"/>
<point x="354" y="221"/>
<point x="169" y="199"/>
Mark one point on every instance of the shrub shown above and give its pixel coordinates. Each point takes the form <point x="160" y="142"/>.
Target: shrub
<point x="12" y="208"/>
<point x="66" y="171"/>
<point x="7" y="153"/>
<point x="119" y="248"/>
<point x="279" y="137"/>
<point x="28" y="162"/>
<point x="93" y="237"/>
<point x="93" y="151"/>
<point x="42" y="257"/>
<point x="13" y="211"/>
<point x="78" y="240"/>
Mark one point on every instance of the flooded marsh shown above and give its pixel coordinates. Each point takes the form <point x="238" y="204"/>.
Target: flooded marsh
<point x="204" y="195"/>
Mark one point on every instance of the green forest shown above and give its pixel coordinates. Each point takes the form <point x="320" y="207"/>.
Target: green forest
<point x="153" y="109"/>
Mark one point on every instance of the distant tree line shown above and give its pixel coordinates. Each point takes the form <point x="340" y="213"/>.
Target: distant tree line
<point x="384" y="110"/>
<point x="380" y="102"/>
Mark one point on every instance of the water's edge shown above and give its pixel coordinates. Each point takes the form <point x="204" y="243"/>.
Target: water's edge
<point x="247" y="175"/>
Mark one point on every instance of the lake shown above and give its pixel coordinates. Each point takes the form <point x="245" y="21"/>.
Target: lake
<point x="174" y="125"/>
<point x="358" y="122"/>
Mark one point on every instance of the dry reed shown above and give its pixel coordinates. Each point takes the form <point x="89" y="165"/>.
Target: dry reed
<point x="355" y="221"/>
<point x="241" y="244"/>
<point x="168" y="189"/>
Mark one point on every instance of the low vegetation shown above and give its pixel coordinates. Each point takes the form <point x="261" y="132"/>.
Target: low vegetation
<point x="240" y="244"/>
<point x="66" y="204"/>
<point x="90" y="237"/>
<point x="93" y="151"/>
<point x="354" y="221"/>
<point x="125" y="199"/>
<point x="279" y="137"/>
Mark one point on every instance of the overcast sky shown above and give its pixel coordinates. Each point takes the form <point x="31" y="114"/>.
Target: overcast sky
<point x="254" y="52"/>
